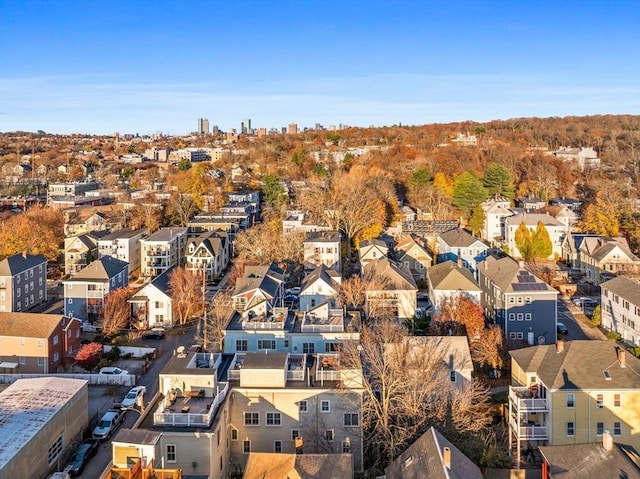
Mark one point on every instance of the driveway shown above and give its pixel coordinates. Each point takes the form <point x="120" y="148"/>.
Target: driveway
<point x="567" y="313"/>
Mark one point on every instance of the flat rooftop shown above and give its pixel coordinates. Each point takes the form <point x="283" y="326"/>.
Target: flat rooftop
<point x="27" y="405"/>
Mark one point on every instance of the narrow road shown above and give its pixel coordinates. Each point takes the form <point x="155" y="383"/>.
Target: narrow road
<point x="577" y="329"/>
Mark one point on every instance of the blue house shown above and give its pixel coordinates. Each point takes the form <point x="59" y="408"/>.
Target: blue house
<point x="459" y="243"/>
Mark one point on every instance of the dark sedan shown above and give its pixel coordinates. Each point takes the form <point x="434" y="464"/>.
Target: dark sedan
<point x="81" y="456"/>
<point x="562" y="329"/>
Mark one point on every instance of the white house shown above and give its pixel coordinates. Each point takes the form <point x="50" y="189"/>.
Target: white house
<point x="450" y="279"/>
<point x="209" y="250"/>
<point x="123" y="245"/>
<point x="323" y="247"/>
<point x="319" y="286"/>
<point x="621" y="308"/>
<point x="496" y="209"/>
<point x="557" y="231"/>
<point x="152" y="304"/>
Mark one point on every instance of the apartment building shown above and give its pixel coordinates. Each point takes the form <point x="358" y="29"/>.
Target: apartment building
<point x="620" y="303"/>
<point x="162" y="250"/>
<point x="458" y="243"/>
<point x="557" y="231"/>
<point x="323" y="247"/>
<point x="38" y="343"/>
<point x="208" y="252"/>
<point x="80" y="250"/>
<point x="571" y="393"/>
<point x="123" y="245"/>
<point x="23" y="282"/>
<point x="84" y="294"/>
<point x="522" y="304"/>
<point x="603" y="258"/>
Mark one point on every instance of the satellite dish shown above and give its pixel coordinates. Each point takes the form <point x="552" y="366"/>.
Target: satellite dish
<point x="541" y="340"/>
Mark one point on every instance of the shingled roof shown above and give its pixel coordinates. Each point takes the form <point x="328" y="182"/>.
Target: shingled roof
<point x="18" y="263"/>
<point x="459" y="237"/>
<point x="451" y="277"/>
<point x="102" y="269"/>
<point x="627" y="288"/>
<point x="580" y="365"/>
<point x="28" y="325"/>
<point x="510" y="276"/>
<point x="264" y="465"/>
<point x="577" y="461"/>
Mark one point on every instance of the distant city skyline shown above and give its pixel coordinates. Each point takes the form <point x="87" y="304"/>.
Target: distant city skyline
<point x="96" y="68"/>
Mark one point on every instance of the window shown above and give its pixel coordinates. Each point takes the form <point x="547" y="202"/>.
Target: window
<point x="452" y="376"/>
<point x="520" y="299"/>
<point x="286" y="343"/>
<point x="55" y="339"/>
<point x="295" y="433"/>
<point x="571" y="429"/>
<point x="303" y="406"/>
<point x="616" y="400"/>
<point x="599" y="428"/>
<point x="325" y="406"/>
<point x="246" y="446"/>
<point x="512" y="316"/>
<point x="308" y="348"/>
<point x="329" y="435"/>
<point x="69" y="333"/>
<point x="56" y="356"/>
<point x="571" y="398"/>
<point x="331" y="347"/>
<point x="40" y="361"/>
<point x="274" y="419"/>
<point x="18" y="291"/>
<point x="242" y="345"/>
<point x="158" y="304"/>
<point x="55" y="449"/>
<point x="512" y="335"/>
<point x="617" y="428"/>
<point x="512" y="300"/>
<point x="351" y="419"/>
<point x="520" y="316"/>
<point x="599" y="401"/>
<point x="234" y="434"/>
<point x="171" y="453"/>
<point x="527" y="300"/>
<point x="23" y="360"/>
<point x="277" y="446"/>
<point x="251" y="419"/>
<point x="527" y="316"/>
<point x="346" y="446"/>
<point x="40" y="294"/>
<point x="31" y="273"/>
<point x="520" y="335"/>
<point x="40" y="281"/>
<point x="266" y="344"/>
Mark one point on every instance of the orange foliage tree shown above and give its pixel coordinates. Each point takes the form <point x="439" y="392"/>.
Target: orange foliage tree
<point x="460" y="313"/>
<point x="116" y="311"/>
<point x="38" y="231"/>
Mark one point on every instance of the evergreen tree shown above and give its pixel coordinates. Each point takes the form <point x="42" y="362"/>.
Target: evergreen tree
<point x="468" y="192"/>
<point x="497" y="181"/>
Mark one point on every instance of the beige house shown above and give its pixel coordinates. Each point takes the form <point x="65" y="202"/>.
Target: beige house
<point x="80" y="250"/>
<point x="392" y="292"/>
<point x="450" y="279"/>
<point x="413" y="257"/>
<point x="37" y="343"/>
<point x="603" y="258"/>
<point x="323" y="247"/>
<point x="556" y="229"/>
<point x="571" y="393"/>
<point x="372" y="250"/>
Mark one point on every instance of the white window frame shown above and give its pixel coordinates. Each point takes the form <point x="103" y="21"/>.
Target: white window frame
<point x="246" y="446"/>
<point x="277" y="444"/>
<point x="350" y="421"/>
<point x="234" y="434"/>
<point x="330" y="435"/>
<point x="251" y="416"/>
<point x="571" y="426"/>
<point x="322" y="406"/>
<point x="303" y="406"/>
<point x="171" y="453"/>
<point x="571" y="400"/>
<point x="294" y="434"/>
<point x="599" y="401"/>
<point x="275" y="418"/>
<point x="617" y="428"/>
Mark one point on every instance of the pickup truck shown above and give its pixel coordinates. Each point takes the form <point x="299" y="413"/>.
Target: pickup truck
<point x="108" y="424"/>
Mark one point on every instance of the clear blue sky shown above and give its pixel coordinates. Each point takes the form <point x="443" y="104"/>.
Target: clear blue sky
<point x="146" y="66"/>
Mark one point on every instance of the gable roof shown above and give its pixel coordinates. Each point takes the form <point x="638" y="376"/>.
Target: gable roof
<point x="627" y="288"/>
<point x="266" y="465"/>
<point x="580" y="365"/>
<point x="577" y="461"/>
<point x="508" y="275"/>
<point x="19" y="263"/>
<point x="265" y="278"/>
<point x="28" y="325"/>
<point x="385" y="269"/>
<point x="460" y="237"/>
<point x="408" y="243"/>
<point x="322" y="273"/>
<point x="211" y="241"/>
<point x="449" y="276"/>
<point x="452" y="350"/>
<point x="322" y="237"/>
<point x="425" y="459"/>
<point x="101" y="269"/>
<point x="532" y="219"/>
<point x="599" y="248"/>
<point x="160" y="282"/>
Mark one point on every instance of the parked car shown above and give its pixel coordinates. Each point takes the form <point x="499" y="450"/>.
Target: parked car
<point x="108" y="424"/>
<point x="131" y="399"/>
<point x="294" y="291"/>
<point x="422" y="296"/>
<point x="290" y="298"/>
<point x="155" y="333"/>
<point x="584" y="301"/>
<point x="562" y="329"/>
<point x="113" y="370"/>
<point x="81" y="456"/>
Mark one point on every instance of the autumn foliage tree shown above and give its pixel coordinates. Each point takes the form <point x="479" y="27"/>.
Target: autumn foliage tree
<point x="534" y="246"/>
<point x="460" y="314"/>
<point x="38" y="231"/>
<point x="487" y="349"/>
<point x="185" y="289"/>
<point x="89" y="355"/>
<point x="116" y="311"/>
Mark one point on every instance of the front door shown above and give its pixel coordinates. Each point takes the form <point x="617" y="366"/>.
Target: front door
<point x="530" y="338"/>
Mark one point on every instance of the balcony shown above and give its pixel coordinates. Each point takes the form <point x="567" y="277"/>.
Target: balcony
<point x="138" y="471"/>
<point x="332" y="323"/>
<point x="531" y="431"/>
<point x="192" y="411"/>
<point x="527" y="400"/>
<point x="275" y="320"/>
<point x="328" y="367"/>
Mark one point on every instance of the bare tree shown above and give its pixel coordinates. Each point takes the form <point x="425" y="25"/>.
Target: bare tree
<point x="353" y="290"/>
<point x="487" y="350"/>
<point x="181" y="208"/>
<point x="185" y="289"/>
<point x="407" y="390"/>
<point x="219" y="313"/>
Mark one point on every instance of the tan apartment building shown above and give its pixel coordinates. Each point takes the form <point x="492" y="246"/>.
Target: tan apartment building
<point x="572" y="392"/>
<point x="23" y="282"/>
<point x="37" y="343"/>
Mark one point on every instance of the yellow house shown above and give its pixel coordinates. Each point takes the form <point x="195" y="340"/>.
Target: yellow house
<point x="571" y="393"/>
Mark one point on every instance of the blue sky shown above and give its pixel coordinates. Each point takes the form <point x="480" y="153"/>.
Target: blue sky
<point x="148" y="66"/>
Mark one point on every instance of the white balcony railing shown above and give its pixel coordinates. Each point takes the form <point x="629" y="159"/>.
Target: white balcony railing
<point x="524" y="400"/>
<point x="165" y="417"/>
<point x="534" y="432"/>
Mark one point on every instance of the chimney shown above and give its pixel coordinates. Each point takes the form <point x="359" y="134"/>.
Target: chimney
<point x="446" y="457"/>
<point x="622" y="357"/>
<point x="559" y="346"/>
<point x="459" y="262"/>
<point x="521" y="263"/>
<point x="24" y="254"/>
<point x="607" y="441"/>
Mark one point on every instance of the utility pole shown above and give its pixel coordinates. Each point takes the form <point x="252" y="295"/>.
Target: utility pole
<point x="204" y="304"/>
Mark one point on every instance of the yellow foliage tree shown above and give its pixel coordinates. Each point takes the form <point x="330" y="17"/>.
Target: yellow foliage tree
<point x="443" y="183"/>
<point x="600" y="218"/>
<point x="38" y="231"/>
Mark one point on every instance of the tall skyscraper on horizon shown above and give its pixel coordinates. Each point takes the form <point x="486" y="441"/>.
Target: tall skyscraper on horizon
<point x="293" y="128"/>
<point x="245" y="128"/>
<point x="203" y="126"/>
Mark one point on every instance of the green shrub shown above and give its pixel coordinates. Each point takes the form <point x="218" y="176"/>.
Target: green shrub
<point x="613" y="336"/>
<point x="114" y="354"/>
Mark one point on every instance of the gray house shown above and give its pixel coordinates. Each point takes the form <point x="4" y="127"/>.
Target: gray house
<point x="522" y="304"/>
<point x="84" y="294"/>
